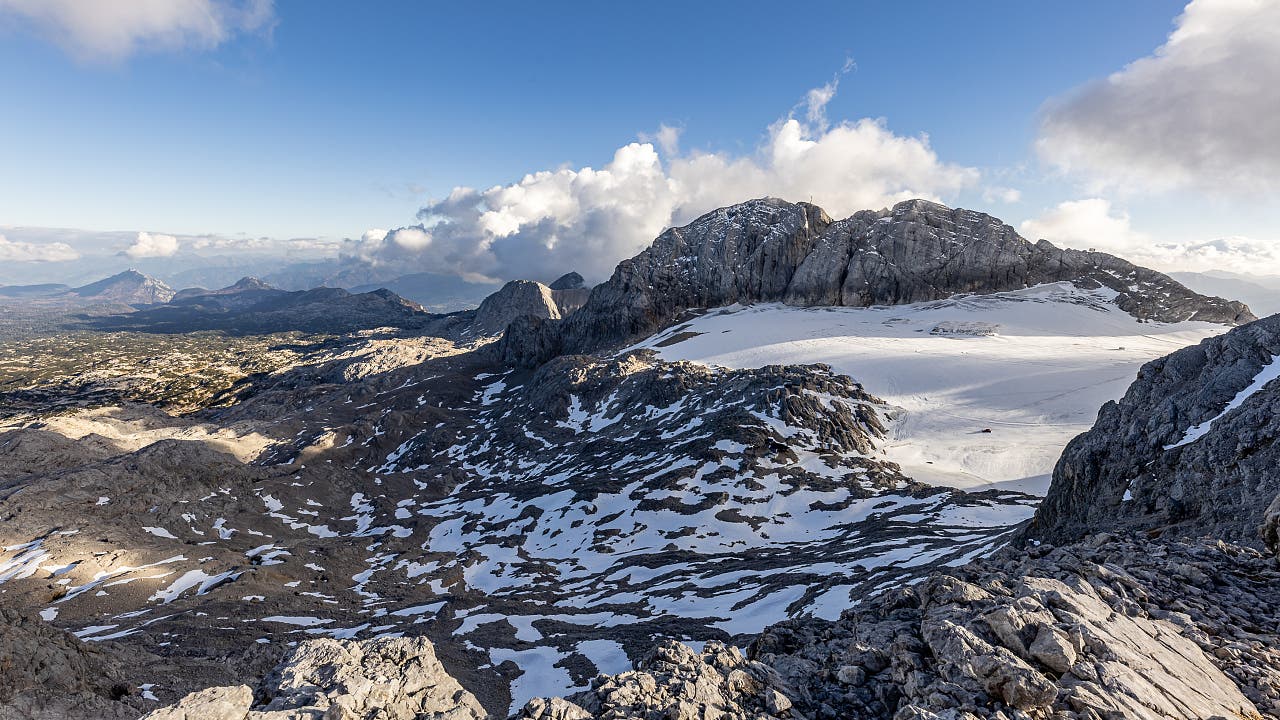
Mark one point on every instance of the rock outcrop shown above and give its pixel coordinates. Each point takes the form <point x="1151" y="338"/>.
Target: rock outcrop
<point x="47" y="674"/>
<point x="675" y="683"/>
<point x="516" y="299"/>
<point x="387" y="679"/>
<point x="1191" y="449"/>
<point x="1102" y="629"/>
<point x="1113" y="627"/>
<point x="770" y="250"/>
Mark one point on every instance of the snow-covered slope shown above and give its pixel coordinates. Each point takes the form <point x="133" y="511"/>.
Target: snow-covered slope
<point x="1032" y="367"/>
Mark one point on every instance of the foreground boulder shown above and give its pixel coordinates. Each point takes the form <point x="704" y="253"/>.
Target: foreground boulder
<point x="1112" y="628"/>
<point x="674" y="682"/>
<point x="386" y="679"/>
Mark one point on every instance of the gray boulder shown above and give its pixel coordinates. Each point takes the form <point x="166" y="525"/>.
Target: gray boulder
<point x="674" y="682"/>
<point x="386" y="679"/>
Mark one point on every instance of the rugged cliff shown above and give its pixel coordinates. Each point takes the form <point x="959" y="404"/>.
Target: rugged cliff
<point x="770" y="250"/>
<point x="1189" y="450"/>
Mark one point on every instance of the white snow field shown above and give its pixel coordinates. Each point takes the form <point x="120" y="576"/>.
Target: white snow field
<point x="1031" y="366"/>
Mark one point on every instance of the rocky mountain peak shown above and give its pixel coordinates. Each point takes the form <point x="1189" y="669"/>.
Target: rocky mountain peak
<point x="568" y="281"/>
<point x="516" y="299"/>
<point x="250" y="283"/>
<point x="130" y="286"/>
<point x="771" y="250"/>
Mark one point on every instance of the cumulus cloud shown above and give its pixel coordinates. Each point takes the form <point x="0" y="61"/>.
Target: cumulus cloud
<point x="1089" y="223"/>
<point x="1093" y="223"/>
<point x="15" y="251"/>
<point x="152" y="245"/>
<point x="588" y="219"/>
<point x="1001" y="194"/>
<point x="115" y="29"/>
<point x="1200" y="112"/>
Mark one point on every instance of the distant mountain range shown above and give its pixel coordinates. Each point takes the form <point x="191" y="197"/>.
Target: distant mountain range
<point x="127" y="288"/>
<point x="1260" y="292"/>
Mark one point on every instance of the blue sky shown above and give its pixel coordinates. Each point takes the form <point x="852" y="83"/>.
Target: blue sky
<point x="326" y="119"/>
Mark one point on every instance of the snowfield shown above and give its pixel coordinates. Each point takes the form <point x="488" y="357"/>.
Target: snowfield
<point x="991" y="387"/>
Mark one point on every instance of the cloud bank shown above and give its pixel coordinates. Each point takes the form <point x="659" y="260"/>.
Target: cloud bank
<point x="1093" y="223"/>
<point x="1202" y="112"/>
<point x="115" y="29"/>
<point x="588" y="219"/>
<point x="15" y="251"/>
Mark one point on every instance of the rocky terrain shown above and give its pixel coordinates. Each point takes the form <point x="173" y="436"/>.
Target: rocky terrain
<point x="772" y="250"/>
<point x="402" y="522"/>
<point x="1190" y="449"/>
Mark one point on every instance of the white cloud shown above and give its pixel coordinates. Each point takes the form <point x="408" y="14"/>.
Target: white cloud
<point x="150" y="245"/>
<point x="588" y="219"/>
<point x="667" y="139"/>
<point x="1004" y="195"/>
<point x="410" y="238"/>
<point x="15" y="251"/>
<point x="1093" y="224"/>
<point x="114" y="29"/>
<point x="1201" y="112"/>
<point x="1085" y="224"/>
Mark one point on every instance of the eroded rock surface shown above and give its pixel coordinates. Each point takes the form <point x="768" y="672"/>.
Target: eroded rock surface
<point x="386" y="679"/>
<point x="47" y="674"/>
<point x="1112" y="628"/>
<point x="673" y="682"/>
<point x="1191" y="449"/>
<point x="516" y="299"/>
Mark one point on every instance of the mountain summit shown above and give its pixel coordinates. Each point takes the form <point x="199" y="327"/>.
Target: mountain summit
<point x="130" y="287"/>
<point x="771" y="250"/>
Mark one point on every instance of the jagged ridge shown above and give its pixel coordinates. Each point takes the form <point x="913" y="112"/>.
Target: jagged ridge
<point x="770" y="250"/>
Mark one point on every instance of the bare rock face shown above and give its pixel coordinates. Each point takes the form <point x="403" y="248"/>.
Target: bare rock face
<point x="674" y="682"/>
<point x="1191" y="449"/>
<point x="570" y="292"/>
<point x="47" y="674"/>
<point x="387" y="679"/>
<point x="516" y="299"/>
<point x="1104" y="629"/>
<point x="770" y="250"/>
<point x="1098" y="630"/>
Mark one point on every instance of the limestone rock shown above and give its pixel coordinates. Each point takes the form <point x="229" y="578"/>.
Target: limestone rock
<point x="383" y="679"/>
<point x="47" y="674"/>
<point x="516" y="299"/>
<point x="1112" y="633"/>
<point x="770" y="250"/>
<point x="676" y="683"/>
<point x="1191" y="449"/>
<point x="217" y="703"/>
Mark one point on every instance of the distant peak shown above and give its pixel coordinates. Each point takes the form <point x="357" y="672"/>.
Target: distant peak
<point x="249" y="282"/>
<point x="568" y="281"/>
